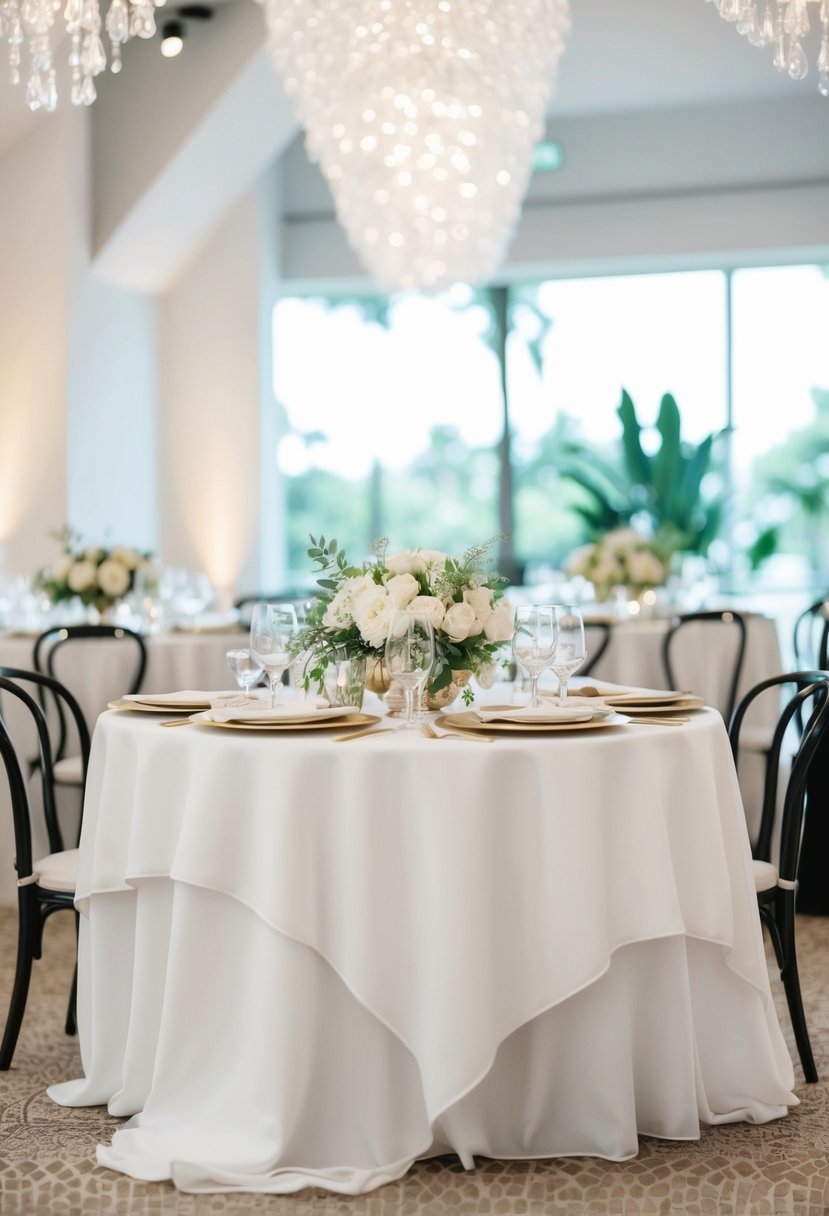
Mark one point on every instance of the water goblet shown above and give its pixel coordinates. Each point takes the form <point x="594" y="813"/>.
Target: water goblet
<point x="273" y="628"/>
<point x="570" y="649"/>
<point x="245" y="668"/>
<point x="410" y="653"/>
<point x="534" y="638"/>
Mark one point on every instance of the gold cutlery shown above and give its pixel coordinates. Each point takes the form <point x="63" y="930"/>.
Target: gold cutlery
<point x="658" y="721"/>
<point x="177" y="722"/>
<point x="361" y="734"/>
<point x="429" y="732"/>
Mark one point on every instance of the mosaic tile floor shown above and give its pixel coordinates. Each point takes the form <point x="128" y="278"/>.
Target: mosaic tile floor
<point x="47" y="1153"/>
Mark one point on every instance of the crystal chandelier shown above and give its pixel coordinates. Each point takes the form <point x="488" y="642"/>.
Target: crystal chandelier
<point x="34" y="22"/>
<point x="782" y="24"/>
<point x="423" y="115"/>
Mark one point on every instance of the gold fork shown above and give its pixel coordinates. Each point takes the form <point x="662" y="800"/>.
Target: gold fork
<point x="426" y="729"/>
<point x="177" y="722"/>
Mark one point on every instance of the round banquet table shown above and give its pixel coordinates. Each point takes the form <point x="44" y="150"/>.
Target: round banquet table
<point x="309" y="963"/>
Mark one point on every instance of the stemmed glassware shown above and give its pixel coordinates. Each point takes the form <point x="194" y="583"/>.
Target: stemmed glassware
<point x="570" y="650"/>
<point x="410" y="653"/>
<point x="245" y="668"/>
<point x="534" y="639"/>
<point x="273" y="627"/>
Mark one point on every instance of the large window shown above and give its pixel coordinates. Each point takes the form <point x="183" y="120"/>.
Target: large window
<point x="394" y="420"/>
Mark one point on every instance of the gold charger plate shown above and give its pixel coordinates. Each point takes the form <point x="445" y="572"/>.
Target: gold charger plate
<point x="469" y="721"/>
<point x="650" y="709"/>
<point x="349" y="720"/>
<point x="179" y="708"/>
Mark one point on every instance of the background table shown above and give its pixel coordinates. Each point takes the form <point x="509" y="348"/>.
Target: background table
<point x="96" y="672"/>
<point x="308" y="963"/>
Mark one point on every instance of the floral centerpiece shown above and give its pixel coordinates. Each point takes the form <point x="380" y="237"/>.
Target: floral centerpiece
<point x="95" y="575"/>
<point x="621" y="558"/>
<point x="351" y="619"/>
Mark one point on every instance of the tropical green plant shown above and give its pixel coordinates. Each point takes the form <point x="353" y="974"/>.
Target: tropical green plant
<point x="667" y="494"/>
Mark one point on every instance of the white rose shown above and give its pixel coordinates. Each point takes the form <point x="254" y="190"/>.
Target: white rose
<point x="645" y="568"/>
<point x="338" y="612"/>
<point x="93" y="554"/>
<point x="403" y="588"/>
<point x="400" y="563"/>
<point x="424" y="561"/>
<point x="371" y="615"/>
<point x="580" y="560"/>
<point x="82" y="575"/>
<point x="606" y="571"/>
<point x="479" y="600"/>
<point x="499" y="625"/>
<point x="60" y="570"/>
<point x="621" y="539"/>
<point x="127" y="557"/>
<point x="460" y="623"/>
<point x="113" y="578"/>
<point x="430" y="606"/>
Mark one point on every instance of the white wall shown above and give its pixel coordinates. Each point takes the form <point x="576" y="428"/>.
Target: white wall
<point x="35" y="203"/>
<point x="211" y="389"/>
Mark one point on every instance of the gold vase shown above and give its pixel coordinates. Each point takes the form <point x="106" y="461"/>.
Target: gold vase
<point x="446" y="695"/>
<point x="377" y="676"/>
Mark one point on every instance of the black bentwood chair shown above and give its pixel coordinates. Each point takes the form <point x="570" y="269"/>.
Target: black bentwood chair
<point x="776" y="884"/>
<point x="811" y="636"/>
<point x="714" y="621"/>
<point x="47" y="648"/>
<point x="45" y="885"/>
<point x="597" y="638"/>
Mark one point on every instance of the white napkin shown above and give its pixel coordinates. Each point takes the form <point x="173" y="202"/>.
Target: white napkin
<point x="187" y="696"/>
<point x="541" y="714"/>
<point x="284" y="714"/>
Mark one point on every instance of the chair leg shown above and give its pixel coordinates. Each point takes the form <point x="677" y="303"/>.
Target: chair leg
<point x="72" y="1008"/>
<point x="791" y="983"/>
<point x="20" y="989"/>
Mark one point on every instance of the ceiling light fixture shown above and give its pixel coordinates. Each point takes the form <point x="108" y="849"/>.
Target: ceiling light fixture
<point x="423" y="118"/>
<point x="782" y="25"/>
<point x="172" y="39"/>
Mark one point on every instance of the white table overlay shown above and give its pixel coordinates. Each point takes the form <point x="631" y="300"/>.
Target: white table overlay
<point x="310" y="963"/>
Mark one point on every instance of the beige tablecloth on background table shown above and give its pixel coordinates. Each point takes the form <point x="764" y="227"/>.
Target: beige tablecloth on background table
<point x="309" y="963"/>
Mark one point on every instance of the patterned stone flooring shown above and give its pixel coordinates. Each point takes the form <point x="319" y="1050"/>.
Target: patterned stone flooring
<point x="48" y="1168"/>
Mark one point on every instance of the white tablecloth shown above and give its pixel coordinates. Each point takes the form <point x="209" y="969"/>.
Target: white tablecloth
<point x="309" y="963"/>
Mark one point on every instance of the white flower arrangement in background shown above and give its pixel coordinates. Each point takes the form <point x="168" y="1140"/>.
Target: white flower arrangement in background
<point x="471" y="618"/>
<point x="94" y="575"/>
<point x="620" y="558"/>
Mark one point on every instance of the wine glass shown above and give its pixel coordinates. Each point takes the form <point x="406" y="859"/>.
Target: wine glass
<point x="410" y="653"/>
<point x="570" y="651"/>
<point x="534" y="638"/>
<point x="245" y="668"/>
<point x="273" y="628"/>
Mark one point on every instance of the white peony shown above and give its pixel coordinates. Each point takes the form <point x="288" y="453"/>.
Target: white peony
<point x="113" y="578"/>
<point x="372" y="612"/>
<point x="460" y="623"/>
<point x="403" y="588"/>
<point x="498" y="626"/>
<point x="83" y="574"/>
<point x="60" y="570"/>
<point x="430" y="606"/>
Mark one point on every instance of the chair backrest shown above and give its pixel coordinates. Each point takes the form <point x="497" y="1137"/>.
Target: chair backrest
<point x="810" y="702"/>
<point x="732" y="621"/>
<point x="13" y="681"/>
<point x="597" y="636"/>
<point x="50" y="644"/>
<point x="811" y="636"/>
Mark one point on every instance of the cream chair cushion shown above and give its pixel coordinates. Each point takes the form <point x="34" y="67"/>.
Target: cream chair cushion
<point x="58" y="871"/>
<point x="69" y="771"/>
<point x="765" y="875"/>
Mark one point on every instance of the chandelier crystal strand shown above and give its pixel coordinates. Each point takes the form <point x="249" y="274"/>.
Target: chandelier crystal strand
<point x="423" y="116"/>
<point x="33" y="22"/>
<point x="782" y="24"/>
